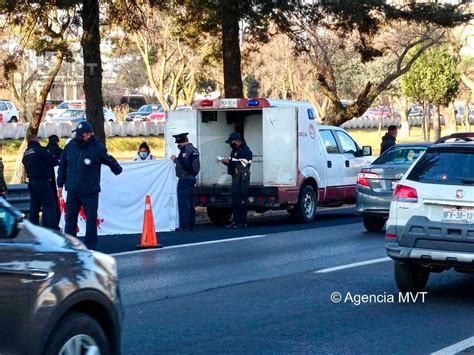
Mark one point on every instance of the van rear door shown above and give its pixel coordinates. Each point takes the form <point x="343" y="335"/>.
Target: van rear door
<point x="280" y="158"/>
<point x="180" y="122"/>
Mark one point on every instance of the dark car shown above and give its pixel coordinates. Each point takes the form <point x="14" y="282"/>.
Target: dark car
<point x="457" y="137"/>
<point x="56" y="296"/>
<point x="143" y="112"/>
<point x="376" y="182"/>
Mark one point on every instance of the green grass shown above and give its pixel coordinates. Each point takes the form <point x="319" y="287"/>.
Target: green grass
<point x="125" y="148"/>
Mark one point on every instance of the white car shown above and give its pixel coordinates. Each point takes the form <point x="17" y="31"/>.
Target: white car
<point x="8" y="111"/>
<point x="431" y="222"/>
<point x="75" y="114"/>
<point x="62" y="107"/>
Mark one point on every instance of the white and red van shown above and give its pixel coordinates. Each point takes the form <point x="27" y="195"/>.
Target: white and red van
<point x="297" y="162"/>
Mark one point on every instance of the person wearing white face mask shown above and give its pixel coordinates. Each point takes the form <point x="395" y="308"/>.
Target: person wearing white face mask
<point x="144" y="153"/>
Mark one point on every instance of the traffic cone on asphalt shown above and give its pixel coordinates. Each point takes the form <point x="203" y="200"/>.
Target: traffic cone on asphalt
<point x="149" y="238"/>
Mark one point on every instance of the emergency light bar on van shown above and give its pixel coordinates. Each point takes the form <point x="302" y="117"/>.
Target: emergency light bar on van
<point x="231" y="104"/>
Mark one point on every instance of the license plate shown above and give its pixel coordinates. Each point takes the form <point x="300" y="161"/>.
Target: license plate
<point x="458" y="215"/>
<point x="394" y="184"/>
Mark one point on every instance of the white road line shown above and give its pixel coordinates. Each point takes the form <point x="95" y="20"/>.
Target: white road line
<point x="190" y="244"/>
<point x="456" y="348"/>
<point x="349" y="266"/>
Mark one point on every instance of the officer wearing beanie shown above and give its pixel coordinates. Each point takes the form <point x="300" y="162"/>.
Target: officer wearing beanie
<point x="79" y="172"/>
<point x="238" y="166"/>
<point x="187" y="168"/>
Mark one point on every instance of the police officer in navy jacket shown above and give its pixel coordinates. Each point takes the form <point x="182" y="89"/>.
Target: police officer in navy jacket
<point x="238" y="166"/>
<point x="79" y="172"/>
<point x="187" y="168"/>
<point x="39" y="163"/>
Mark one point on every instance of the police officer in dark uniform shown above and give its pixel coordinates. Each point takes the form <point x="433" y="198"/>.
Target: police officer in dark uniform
<point x="187" y="168"/>
<point x="39" y="162"/>
<point x="54" y="148"/>
<point x="238" y="166"/>
<point x="79" y="171"/>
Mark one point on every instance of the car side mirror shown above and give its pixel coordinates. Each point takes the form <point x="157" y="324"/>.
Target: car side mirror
<point x="9" y="220"/>
<point x="366" y="151"/>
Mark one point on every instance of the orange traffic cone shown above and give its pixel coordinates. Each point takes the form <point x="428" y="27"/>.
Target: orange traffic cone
<point x="149" y="238"/>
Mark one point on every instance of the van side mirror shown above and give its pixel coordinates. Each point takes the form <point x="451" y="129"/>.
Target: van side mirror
<point x="9" y="222"/>
<point x="366" y="151"/>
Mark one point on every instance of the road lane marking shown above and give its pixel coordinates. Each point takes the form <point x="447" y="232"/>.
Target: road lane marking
<point x="190" y="244"/>
<point x="349" y="266"/>
<point x="456" y="348"/>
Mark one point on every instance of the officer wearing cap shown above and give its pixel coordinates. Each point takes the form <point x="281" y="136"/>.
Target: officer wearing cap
<point x="238" y="166"/>
<point x="39" y="163"/>
<point x="187" y="168"/>
<point x="79" y="171"/>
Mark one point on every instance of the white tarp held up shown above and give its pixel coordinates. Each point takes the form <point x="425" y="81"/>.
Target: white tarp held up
<point x="122" y="199"/>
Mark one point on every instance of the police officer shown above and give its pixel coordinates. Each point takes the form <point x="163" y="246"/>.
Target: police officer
<point x="238" y="166"/>
<point x="187" y="168"/>
<point x="39" y="162"/>
<point x="54" y="148"/>
<point x="79" y="171"/>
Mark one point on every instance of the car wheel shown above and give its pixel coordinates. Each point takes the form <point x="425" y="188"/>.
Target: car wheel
<point x="410" y="277"/>
<point x="373" y="223"/>
<point x="305" y="209"/>
<point x="111" y="120"/>
<point x="78" y="334"/>
<point x="219" y="215"/>
<point x="13" y="119"/>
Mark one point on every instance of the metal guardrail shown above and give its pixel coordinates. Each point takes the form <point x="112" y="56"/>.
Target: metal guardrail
<point x="19" y="197"/>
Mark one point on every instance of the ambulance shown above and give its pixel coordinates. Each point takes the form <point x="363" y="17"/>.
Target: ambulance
<point x="298" y="163"/>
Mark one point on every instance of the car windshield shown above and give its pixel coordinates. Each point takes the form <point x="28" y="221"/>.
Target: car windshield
<point x="63" y="106"/>
<point x="445" y="166"/>
<point x="144" y="109"/>
<point x="400" y="155"/>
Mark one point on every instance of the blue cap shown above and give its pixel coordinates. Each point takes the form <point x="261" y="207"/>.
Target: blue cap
<point x="83" y="127"/>
<point x="233" y="136"/>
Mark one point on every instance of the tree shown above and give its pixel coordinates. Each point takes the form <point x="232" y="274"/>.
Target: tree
<point x="375" y="29"/>
<point x="434" y="78"/>
<point x="47" y="31"/>
<point x="90" y="43"/>
<point x="228" y="20"/>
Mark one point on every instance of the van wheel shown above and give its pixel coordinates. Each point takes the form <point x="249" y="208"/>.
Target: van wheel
<point x="13" y="120"/>
<point x="373" y="223"/>
<point x="410" y="277"/>
<point x="219" y="215"/>
<point x="305" y="209"/>
<point x="78" y="333"/>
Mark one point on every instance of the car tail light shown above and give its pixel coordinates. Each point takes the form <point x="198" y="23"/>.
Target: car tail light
<point x="202" y="200"/>
<point x="404" y="193"/>
<point x="390" y="236"/>
<point x="364" y="176"/>
<point x="1" y="117"/>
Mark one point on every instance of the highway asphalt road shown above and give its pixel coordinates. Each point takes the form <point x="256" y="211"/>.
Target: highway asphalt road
<point x="268" y="290"/>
